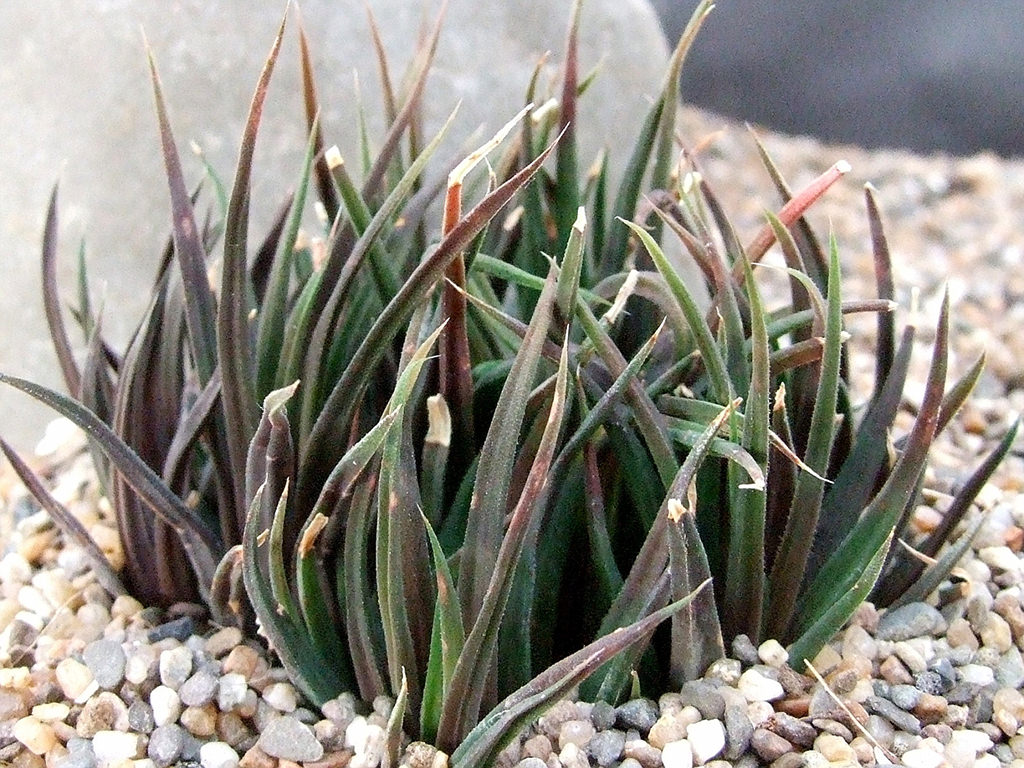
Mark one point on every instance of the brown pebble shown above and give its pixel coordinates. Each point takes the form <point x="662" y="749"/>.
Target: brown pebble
<point x="960" y="634"/>
<point x="1009" y="608"/>
<point x="257" y="758"/>
<point x="769" y="746"/>
<point x="798" y="707"/>
<point x="792" y="729"/>
<point x="844" y="677"/>
<point x="834" y="727"/>
<point x="538" y="746"/>
<point x="25" y="759"/>
<point x="200" y="721"/>
<point x="243" y="660"/>
<point x="643" y="753"/>
<point x="789" y="760"/>
<point x="931" y="708"/>
<point x="1014" y="538"/>
<point x="792" y="682"/>
<point x="893" y="671"/>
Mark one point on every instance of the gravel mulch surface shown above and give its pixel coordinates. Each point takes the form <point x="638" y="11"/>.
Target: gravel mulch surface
<point x="86" y="681"/>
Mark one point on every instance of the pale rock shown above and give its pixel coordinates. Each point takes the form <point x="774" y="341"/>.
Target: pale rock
<point x="50" y="712"/>
<point x="834" y="748"/>
<point x="32" y="600"/>
<point x="996" y="633"/>
<point x="571" y="756"/>
<point x="125" y="606"/>
<point x="756" y="687"/>
<point x="15" y="677"/>
<point x="222" y="641"/>
<point x="15" y="569"/>
<point x="166" y="705"/>
<point x="103" y="712"/>
<point x="140" y="664"/>
<point x="677" y="754"/>
<point x="231" y="691"/>
<point x="37" y="736"/>
<point x="217" y="754"/>
<point x="112" y="747"/>
<point x="286" y="738"/>
<point x="772" y="653"/>
<point x="281" y="696"/>
<point x="175" y="666"/>
<point x="1000" y="558"/>
<point x="76" y="680"/>
<point x="578" y="732"/>
<point x="707" y="740"/>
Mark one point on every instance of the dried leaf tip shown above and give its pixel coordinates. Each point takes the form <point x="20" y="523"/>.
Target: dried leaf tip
<point x="617" y="307"/>
<point x="473" y="159"/>
<point x="309" y="536"/>
<point x="843" y="166"/>
<point x="580" y="225"/>
<point x="333" y="157"/>
<point x="439" y="421"/>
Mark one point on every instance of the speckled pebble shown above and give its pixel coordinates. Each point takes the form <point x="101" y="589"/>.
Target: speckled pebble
<point x="705" y="697"/>
<point x="288" y="739"/>
<point x="910" y="620"/>
<point x="165" y="744"/>
<point x="606" y="747"/>
<point x="200" y="688"/>
<point x="640" y="714"/>
<point x="106" y="660"/>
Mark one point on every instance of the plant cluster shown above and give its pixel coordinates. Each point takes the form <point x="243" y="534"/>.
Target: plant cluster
<point x="461" y="435"/>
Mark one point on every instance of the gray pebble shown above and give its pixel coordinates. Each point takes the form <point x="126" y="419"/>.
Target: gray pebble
<point x="893" y="714"/>
<point x="880" y="729"/>
<point x="140" y="716"/>
<point x="285" y="737"/>
<point x="531" y="762"/>
<point x="199" y="689"/>
<point x="80" y="754"/>
<point x="1010" y="669"/>
<point x="744" y="650"/>
<point x="932" y="682"/>
<point x="640" y="714"/>
<point x="910" y="620"/>
<point x="106" y="660"/>
<point x="704" y="697"/>
<point x="943" y="667"/>
<point x="602" y="715"/>
<point x="904" y="696"/>
<point x="181" y="629"/>
<point x="738" y="730"/>
<point x="190" y="749"/>
<point x="166" y="744"/>
<point x="962" y="693"/>
<point x="606" y="747"/>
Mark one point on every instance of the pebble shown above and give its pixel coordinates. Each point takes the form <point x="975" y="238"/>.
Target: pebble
<point x="217" y="754"/>
<point x="106" y="660"/>
<point x="166" y="743"/>
<point x="288" y="739"/>
<point x="756" y="687"/>
<point x="639" y="714"/>
<point x="103" y="712"/>
<point x="772" y="653"/>
<point x="769" y="746"/>
<point x="704" y="697"/>
<point x="281" y="696"/>
<point x="112" y="747"/>
<point x="175" y="666"/>
<point x="606" y="747"/>
<point x="677" y="754"/>
<point x="200" y="688"/>
<point x="37" y="736"/>
<point x="707" y="740"/>
<point x="910" y="620"/>
<point x="76" y="680"/>
<point x="578" y="732"/>
<point x="166" y="705"/>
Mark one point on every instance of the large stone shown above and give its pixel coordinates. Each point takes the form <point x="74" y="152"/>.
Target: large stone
<point x="76" y="105"/>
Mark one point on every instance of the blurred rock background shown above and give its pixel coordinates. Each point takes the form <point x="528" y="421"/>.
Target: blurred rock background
<point x="913" y="74"/>
<point x="76" y="105"/>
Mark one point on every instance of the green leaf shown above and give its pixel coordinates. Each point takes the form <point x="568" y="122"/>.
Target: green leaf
<point x="234" y="350"/>
<point x="788" y="570"/>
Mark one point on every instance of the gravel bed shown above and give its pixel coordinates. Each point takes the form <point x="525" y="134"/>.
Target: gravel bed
<point x="90" y="682"/>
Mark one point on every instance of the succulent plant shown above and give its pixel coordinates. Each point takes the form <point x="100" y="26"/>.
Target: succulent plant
<point x="460" y="437"/>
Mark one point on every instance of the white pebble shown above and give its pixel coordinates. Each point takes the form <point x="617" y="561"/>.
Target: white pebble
<point x="1000" y="558"/>
<point x="281" y="696"/>
<point x="772" y="653"/>
<point x="217" y="754"/>
<point x="76" y="680"/>
<point x="759" y="711"/>
<point x="977" y="674"/>
<point x="54" y="586"/>
<point x="166" y="705"/>
<point x="32" y="600"/>
<point x="756" y="687"/>
<point x="707" y="739"/>
<point x="112" y="747"/>
<point x="922" y="757"/>
<point x="975" y="740"/>
<point x="15" y="677"/>
<point x="38" y="737"/>
<point x="15" y="569"/>
<point x="231" y="690"/>
<point x="175" y="666"/>
<point x="52" y="712"/>
<point x="677" y="754"/>
<point x="140" y="664"/>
